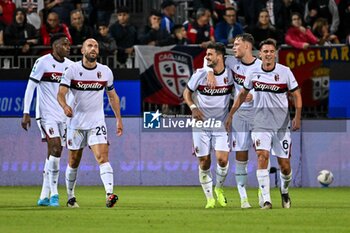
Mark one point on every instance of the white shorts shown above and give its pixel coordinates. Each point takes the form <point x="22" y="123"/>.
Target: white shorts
<point x="79" y="138"/>
<point x="241" y="131"/>
<point x="205" y="140"/>
<point x="278" y="142"/>
<point x="52" y="129"/>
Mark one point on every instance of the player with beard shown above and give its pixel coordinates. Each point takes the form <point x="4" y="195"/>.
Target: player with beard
<point x="87" y="80"/>
<point x="211" y="104"/>
<point x="238" y="66"/>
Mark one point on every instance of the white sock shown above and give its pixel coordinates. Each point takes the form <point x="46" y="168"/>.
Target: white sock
<point x="285" y="181"/>
<point x="54" y="172"/>
<point x="71" y="180"/>
<point x="241" y="178"/>
<point x="106" y="173"/>
<point x="264" y="183"/>
<point x="221" y="173"/>
<point x="45" y="190"/>
<point x="205" y="178"/>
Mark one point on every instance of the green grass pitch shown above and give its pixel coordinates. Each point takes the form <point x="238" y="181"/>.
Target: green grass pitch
<point x="174" y="209"/>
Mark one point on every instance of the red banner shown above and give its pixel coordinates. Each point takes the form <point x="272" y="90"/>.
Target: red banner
<point x="311" y="68"/>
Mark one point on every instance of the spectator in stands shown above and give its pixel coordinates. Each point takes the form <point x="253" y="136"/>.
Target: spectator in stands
<point x="2" y="34"/>
<point x="321" y="30"/>
<point x="327" y="9"/>
<point x="124" y="34"/>
<point x="200" y="31"/>
<point x="33" y="8"/>
<point x="152" y="33"/>
<point x="220" y="7"/>
<point x="179" y="35"/>
<point x="7" y="9"/>
<point x="169" y="11"/>
<point x="291" y="6"/>
<point x="276" y="11"/>
<point x="216" y="8"/>
<point x="105" y="41"/>
<point x="227" y="30"/>
<point x="51" y="27"/>
<point x="62" y="8"/>
<point x="264" y="30"/>
<point x="101" y="11"/>
<point x="344" y="26"/>
<point x="78" y="30"/>
<point x="246" y="13"/>
<point x="299" y="36"/>
<point x="21" y="33"/>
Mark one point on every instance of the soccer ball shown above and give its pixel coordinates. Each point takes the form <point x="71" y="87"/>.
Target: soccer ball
<point x="325" y="178"/>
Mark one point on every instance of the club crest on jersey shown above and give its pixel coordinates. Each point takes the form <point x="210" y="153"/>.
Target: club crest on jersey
<point x="234" y="143"/>
<point x="173" y="69"/>
<point x="196" y="150"/>
<point x="237" y="67"/>
<point x="225" y="80"/>
<point x="53" y="65"/>
<point x="277" y="77"/>
<point x="51" y="131"/>
<point x="65" y="68"/>
<point x="258" y="76"/>
<point x="257" y="143"/>
<point x="80" y="73"/>
<point x="70" y="142"/>
<point x="99" y="74"/>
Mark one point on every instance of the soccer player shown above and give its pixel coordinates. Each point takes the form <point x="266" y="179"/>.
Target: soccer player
<point x="211" y="104"/>
<point x="271" y="128"/>
<point x="45" y="76"/>
<point x="238" y="66"/>
<point x="87" y="79"/>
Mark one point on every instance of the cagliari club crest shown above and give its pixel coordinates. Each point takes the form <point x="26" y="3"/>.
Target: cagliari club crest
<point x="173" y="69"/>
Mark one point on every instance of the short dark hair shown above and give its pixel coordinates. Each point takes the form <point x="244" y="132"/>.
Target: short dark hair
<point x="56" y="37"/>
<point x="123" y="9"/>
<point x="219" y="47"/>
<point x="268" y="41"/>
<point x="246" y="37"/>
<point x="230" y="9"/>
<point x="167" y="3"/>
<point x="176" y="28"/>
<point x="155" y="12"/>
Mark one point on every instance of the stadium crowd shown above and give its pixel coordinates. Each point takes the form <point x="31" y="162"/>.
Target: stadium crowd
<point x="298" y="23"/>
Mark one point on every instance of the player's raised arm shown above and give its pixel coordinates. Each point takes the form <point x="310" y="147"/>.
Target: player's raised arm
<point x="61" y="98"/>
<point x="114" y="101"/>
<point x="298" y="104"/>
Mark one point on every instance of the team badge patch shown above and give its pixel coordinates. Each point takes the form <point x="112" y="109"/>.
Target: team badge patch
<point x="173" y="69"/>
<point x="51" y="131"/>
<point x="225" y="80"/>
<point x="196" y="150"/>
<point x="237" y="67"/>
<point x="257" y="143"/>
<point x="70" y="142"/>
<point x="234" y="144"/>
<point x="99" y="74"/>
<point x="53" y="65"/>
<point x="80" y="73"/>
<point x="277" y="77"/>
